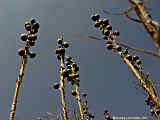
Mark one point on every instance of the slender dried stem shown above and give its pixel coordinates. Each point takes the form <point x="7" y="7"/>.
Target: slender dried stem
<point x="18" y="83"/>
<point x="152" y="27"/>
<point x="150" y="90"/>
<point x="62" y="88"/>
<point x="79" y="101"/>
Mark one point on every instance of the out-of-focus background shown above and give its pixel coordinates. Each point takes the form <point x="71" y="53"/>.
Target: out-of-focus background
<point x="108" y="82"/>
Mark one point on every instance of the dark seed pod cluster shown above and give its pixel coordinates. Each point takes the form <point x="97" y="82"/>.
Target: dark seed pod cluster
<point x="107" y="116"/>
<point x="85" y="107"/>
<point x="30" y="37"/>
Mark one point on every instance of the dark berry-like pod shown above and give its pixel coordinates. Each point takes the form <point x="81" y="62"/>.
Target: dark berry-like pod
<point x="60" y="40"/>
<point x="31" y="43"/>
<point x="32" y="37"/>
<point x="33" y="21"/>
<point x="106" y="32"/>
<point x="32" y="54"/>
<point x="56" y="85"/>
<point x="97" y="24"/>
<point x="95" y="17"/>
<point x="118" y="48"/>
<point x="68" y="58"/>
<point x="129" y="57"/>
<point x="138" y="62"/>
<point x="21" y="52"/>
<point x="135" y="57"/>
<point x="109" y="46"/>
<point x="27" y="26"/>
<point x="66" y="44"/>
<point x="24" y="36"/>
<point x="35" y="26"/>
<point x="105" y="21"/>
<point x="74" y="93"/>
<point x="109" y="27"/>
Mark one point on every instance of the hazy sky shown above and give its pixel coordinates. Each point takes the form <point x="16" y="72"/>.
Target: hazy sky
<point x="104" y="76"/>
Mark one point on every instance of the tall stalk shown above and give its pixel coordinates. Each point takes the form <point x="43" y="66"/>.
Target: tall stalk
<point x="30" y="37"/>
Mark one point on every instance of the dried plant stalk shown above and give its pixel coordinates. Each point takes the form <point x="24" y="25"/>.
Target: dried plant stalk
<point x="79" y="101"/>
<point x="62" y="88"/>
<point x="18" y="83"/>
<point x="152" y="27"/>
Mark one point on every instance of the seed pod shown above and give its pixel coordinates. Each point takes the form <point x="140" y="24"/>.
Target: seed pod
<point x="24" y="37"/>
<point x="32" y="37"/>
<point x="105" y="21"/>
<point x="118" y="48"/>
<point x="68" y="58"/>
<point x="66" y="72"/>
<point x="91" y="115"/>
<point x="56" y="85"/>
<point x="109" y="27"/>
<point x="126" y="51"/>
<point x="21" y="52"/>
<point x="31" y="43"/>
<point x="32" y="21"/>
<point x="34" y="31"/>
<point x="27" y="26"/>
<point x="105" y="37"/>
<point x="157" y="111"/>
<point x="61" y="51"/>
<point x="116" y="32"/>
<point x="106" y="32"/>
<point x="138" y="62"/>
<point x="66" y="44"/>
<point x="32" y="54"/>
<point x="74" y="64"/>
<point x="152" y="110"/>
<point x="74" y="93"/>
<point x="97" y="24"/>
<point x="84" y="94"/>
<point x="75" y="75"/>
<point x="58" y="57"/>
<point x="129" y="57"/>
<point x="60" y="40"/>
<point x="69" y="67"/>
<point x="135" y="58"/>
<point x="109" y="46"/>
<point x="76" y="69"/>
<point x="105" y="111"/>
<point x="35" y="26"/>
<point x="95" y="17"/>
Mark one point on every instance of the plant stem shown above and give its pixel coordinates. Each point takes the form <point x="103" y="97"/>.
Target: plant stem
<point x="62" y="88"/>
<point x="18" y="83"/>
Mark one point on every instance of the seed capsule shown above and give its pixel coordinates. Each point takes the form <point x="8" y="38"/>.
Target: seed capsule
<point x="105" y="37"/>
<point x="106" y="32"/>
<point x="24" y="37"/>
<point x="74" y="64"/>
<point x="138" y="62"/>
<point x="135" y="57"/>
<point x="105" y="111"/>
<point x="91" y="115"/>
<point x="35" y="26"/>
<point x="74" y="93"/>
<point x="32" y="54"/>
<point x="97" y="24"/>
<point x="129" y="57"/>
<point x="76" y="69"/>
<point x="32" y="21"/>
<point x="60" y="40"/>
<point x="27" y="26"/>
<point x="116" y="32"/>
<point x="32" y="37"/>
<point x="118" y="48"/>
<point x="109" y="27"/>
<point x="109" y="46"/>
<point x="68" y="58"/>
<point x="56" y="85"/>
<point x="84" y="94"/>
<point x="31" y="43"/>
<point x="21" y="52"/>
<point x="66" y="44"/>
<point x="105" y="21"/>
<point x="95" y="17"/>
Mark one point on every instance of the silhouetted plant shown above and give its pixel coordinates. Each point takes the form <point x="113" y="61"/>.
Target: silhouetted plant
<point x="29" y="38"/>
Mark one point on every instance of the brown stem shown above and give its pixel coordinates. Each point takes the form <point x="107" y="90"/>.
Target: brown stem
<point x="151" y="26"/>
<point x="18" y="83"/>
<point x="79" y="101"/>
<point x="62" y="88"/>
